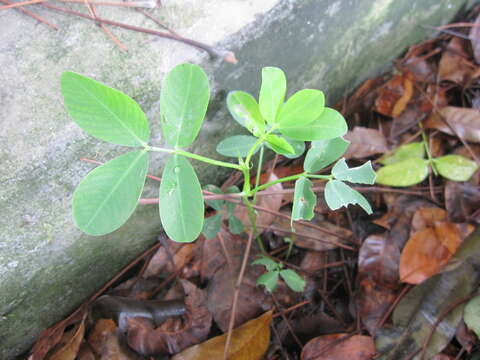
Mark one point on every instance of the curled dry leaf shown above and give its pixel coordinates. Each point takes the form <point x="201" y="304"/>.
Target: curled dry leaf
<point x="378" y="262"/>
<point x="454" y="65"/>
<point x="339" y="347"/>
<point x="67" y="348"/>
<point x="365" y="142"/>
<point x="431" y="245"/>
<point x="394" y="96"/>
<point x="465" y="122"/>
<point x="249" y="342"/>
<point x="175" y="334"/>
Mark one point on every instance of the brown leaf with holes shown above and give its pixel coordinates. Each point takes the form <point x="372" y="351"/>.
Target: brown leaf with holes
<point x="465" y="122"/>
<point x="365" y="142"/>
<point x="173" y="335"/>
<point x="339" y="347"/>
<point x="462" y="199"/>
<point x="432" y="243"/>
<point x="454" y="65"/>
<point x="249" y="342"/>
<point x="394" y="96"/>
<point x="67" y="348"/>
<point x="378" y="262"/>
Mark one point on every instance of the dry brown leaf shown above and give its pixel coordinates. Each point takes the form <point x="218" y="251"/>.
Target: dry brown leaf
<point x="69" y="345"/>
<point x="161" y="262"/>
<point x="403" y="101"/>
<point x="461" y="200"/>
<point x="394" y="96"/>
<point x="365" y="142"/>
<point x="416" y="61"/>
<point x="332" y="347"/>
<point x="474" y="37"/>
<point x="431" y="245"/>
<point x="465" y="122"/>
<point x="104" y="341"/>
<point x="454" y="65"/>
<point x="249" y="342"/>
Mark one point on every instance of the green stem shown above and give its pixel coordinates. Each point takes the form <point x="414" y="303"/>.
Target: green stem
<point x="324" y="177"/>
<point x="253" y="222"/>
<point x="267" y="185"/>
<point x="427" y="150"/>
<point x="259" y="171"/>
<point x="195" y="157"/>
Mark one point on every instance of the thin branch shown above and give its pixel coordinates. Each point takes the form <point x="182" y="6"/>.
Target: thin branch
<point x="19" y="4"/>
<point x="31" y="14"/>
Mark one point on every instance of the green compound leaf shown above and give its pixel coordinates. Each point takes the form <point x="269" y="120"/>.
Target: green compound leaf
<point x="269" y="264"/>
<point x="324" y="152"/>
<point x="272" y="92"/>
<point x="471" y="315"/>
<point x="329" y="125"/>
<point x="236" y="146"/>
<point x="304" y="200"/>
<point x="407" y="151"/>
<point x="109" y="194"/>
<point x="235" y="225"/>
<point x="269" y="280"/>
<point x="455" y="167"/>
<point x="212" y="225"/>
<point x="103" y="112"/>
<point x="181" y="200"/>
<point x="279" y="144"/>
<point x="403" y="173"/>
<point x="360" y="175"/>
<point x="216" y="204"/>
<point x="338" y="194"/>
<point x="245" y="111"/>
<point x="297" y="146"/>
<point x="302" y="108"/>
<point x="293" y="280"/>
<point x="183" y="104"/>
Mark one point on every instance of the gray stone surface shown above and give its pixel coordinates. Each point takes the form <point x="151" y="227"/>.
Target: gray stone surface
<point x="47" y="267"/>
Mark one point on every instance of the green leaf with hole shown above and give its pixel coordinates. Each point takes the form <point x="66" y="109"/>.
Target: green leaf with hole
<point x="407" y="151"/>
<point x="216" y="204"/>
<point x="103" y="112"/>
<point x="246" y="112"/>
<point x="236" y="146"/>
<point x="181" y="200"/>
<point x="304" y="200"/>
<point x="109" y="194"/>
<point x="269" y="280"/>
<point x="329" y="125"/>
<point x="363" y="174"/>
<point x="212" y="225"/>
<point x="293" y="280"/>
<point x="455" y="167"/>
<point x="471" y="315"/>
<point x="272" y="92"/>
<point x="403" y="173"/>
<point x="302" y="108"/>
<point x="183" y="104"/>
<point x="279" y="144"/>
<point x="338" y="194"/>
<point x="324" y="152"/>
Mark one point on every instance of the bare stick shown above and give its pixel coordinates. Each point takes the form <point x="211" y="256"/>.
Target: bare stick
<point x="19" y="4"/>
<point x="31" y="14"/>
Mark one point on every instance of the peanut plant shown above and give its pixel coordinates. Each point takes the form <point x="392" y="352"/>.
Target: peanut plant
<point x="109" y="194"/>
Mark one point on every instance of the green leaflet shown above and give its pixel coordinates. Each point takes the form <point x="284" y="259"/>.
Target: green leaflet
<point x="329" y="125"/>
<point x="302" y="108"/>
<point x="269" y="280"/>
<point x="304" y="200"/>
<point x="269" y="264"/>
<point x="272" y="92"/>
<point x="324" y="152"/>
<point x="293" y="280"/>
<point x="297" y="146"/>
<point x="245" y="111"/>
<point x="181" y="200"/>
<point x="103" y="112"/>
<point x="109" y="194"/>
<point x="455" y="167"/>
<point x="363" y="174"/>
<point x="279" y="145"/>
<point x="407" y="151"/>
<point x="212" y="225"/>
<point x="236" y="146"/>
<point x="216" y="204"/>
<point x="235" y="226"/>
<point x="403" y="173"/>
<point x="338" y="194"/>
<point x="471" y="315"/>
<point x="183" y="104"/>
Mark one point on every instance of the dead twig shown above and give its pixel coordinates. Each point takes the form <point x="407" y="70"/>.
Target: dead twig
<point x="31" y="14"/>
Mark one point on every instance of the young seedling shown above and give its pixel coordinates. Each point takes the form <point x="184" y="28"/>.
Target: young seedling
<point x="407" y="166"/>
<point x="274" y="272"/>
<point x="109" y="194"/>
